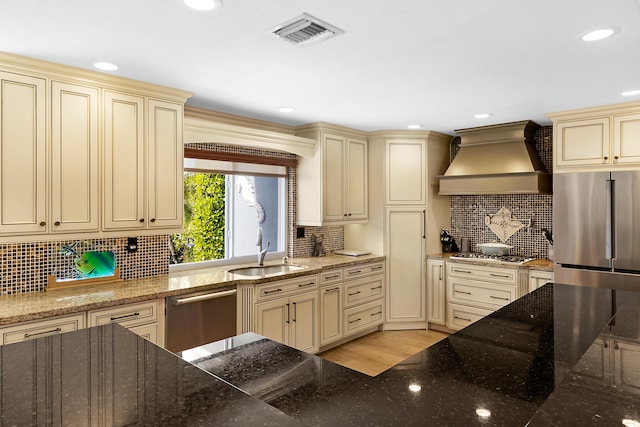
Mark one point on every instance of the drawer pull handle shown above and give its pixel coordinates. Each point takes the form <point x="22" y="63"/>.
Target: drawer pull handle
<point x="506" y="276"/>
<point x="304" y="285"/>
<point x="331" y="290"/>
<point x="377" y="267"/>
<point x="334" y="276"/>
<point x="462" y="271"/>
<point x="462" y="318"/>
<point x="377" y="287"/>
<point x="52" y="331"/>
<point x="355" y="293"/>
<point x="273" y="291"/>
<point x="354" y="321"/>
<point x="352" y="272"/>
<point x="136" y="314"/>
<point x="375" y="314"/>
<point x="463" y="292"/>
<point x="502" y="298"/>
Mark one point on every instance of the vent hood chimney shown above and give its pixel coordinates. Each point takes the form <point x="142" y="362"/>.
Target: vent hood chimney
<point x="497" y="159"/>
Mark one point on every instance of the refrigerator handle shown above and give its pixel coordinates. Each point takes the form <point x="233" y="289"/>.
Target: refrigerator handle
<point x="611" y="219"/>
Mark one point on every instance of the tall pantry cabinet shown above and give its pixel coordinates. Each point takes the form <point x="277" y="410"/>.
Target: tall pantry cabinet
<point x="405" y="217"/>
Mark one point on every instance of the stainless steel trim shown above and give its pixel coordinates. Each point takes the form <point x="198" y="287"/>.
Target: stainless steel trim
<point x="196" y="298"/>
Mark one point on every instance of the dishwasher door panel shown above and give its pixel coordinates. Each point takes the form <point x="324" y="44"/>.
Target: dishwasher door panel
<point x="200" y="318"/>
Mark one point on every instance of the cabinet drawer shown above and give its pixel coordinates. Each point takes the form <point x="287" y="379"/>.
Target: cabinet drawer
<point x="363" y="316"/>
<point x="485" y="294"/>
<point x="126" y="315"/>
<point x="363" y="290"/>
<point x="42" y="328"/>
<point x="331" y="276"/>
<point x="460" y="316"/>
<point x="287" y="287"/>
<point x="148" y="332"/>
<point x="489" y="274"/>
<point x="364" y="270"/>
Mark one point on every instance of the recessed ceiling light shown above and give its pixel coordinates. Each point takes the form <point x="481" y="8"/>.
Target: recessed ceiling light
<point x="286" y="109"/>
<point x="414" y="126"/>
<point x="204" y="4"/>
<point x="631" y="93"/>
<point x="105" y="66"/>
<point x="482" y="115"/>
<point x="599" y="34"/>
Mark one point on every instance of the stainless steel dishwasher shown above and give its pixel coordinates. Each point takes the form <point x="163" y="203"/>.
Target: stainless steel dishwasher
<point x="200" y="318"/>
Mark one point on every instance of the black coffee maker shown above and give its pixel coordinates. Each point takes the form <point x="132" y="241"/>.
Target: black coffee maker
<point x="448" y="242"/>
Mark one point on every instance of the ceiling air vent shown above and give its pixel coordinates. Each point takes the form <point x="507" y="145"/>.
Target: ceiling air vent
<point x="305" y="30"/>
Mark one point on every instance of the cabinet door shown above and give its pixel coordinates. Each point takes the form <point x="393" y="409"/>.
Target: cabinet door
<point x="404" y="247"/>
<point x="357" y="201"/>
<point x="23" y="184"/>
<point x="539" y="278"/>
<point x="330" y="314"/>
<point x="272" y="320"/>
<point x="304" y="322"/>
<point x="333" y="178"/>
<point x="123" y="161"/>
<point x="74" y="158"/>
<point x="627" y="366"/>
<point x="405" y="172"/>
<point x="626" y="137"/>
<point x="165" y="164"/>
<point x="582" y="142"/>
<point x="436" y="296"/>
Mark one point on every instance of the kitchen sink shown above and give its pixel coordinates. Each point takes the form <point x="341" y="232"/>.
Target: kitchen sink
<point x="267" y="270"/>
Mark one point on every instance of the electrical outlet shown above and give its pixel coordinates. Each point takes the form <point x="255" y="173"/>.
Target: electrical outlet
<point x="300" y="232"/>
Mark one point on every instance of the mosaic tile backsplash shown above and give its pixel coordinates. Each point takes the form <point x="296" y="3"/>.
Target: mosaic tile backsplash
<point x="468" y="212"/>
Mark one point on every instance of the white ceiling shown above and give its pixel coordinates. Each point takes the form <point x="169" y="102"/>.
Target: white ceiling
<point x="400" y="62"/>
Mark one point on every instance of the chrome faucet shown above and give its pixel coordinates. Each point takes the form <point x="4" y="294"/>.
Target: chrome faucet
<point x="261" y="252"/>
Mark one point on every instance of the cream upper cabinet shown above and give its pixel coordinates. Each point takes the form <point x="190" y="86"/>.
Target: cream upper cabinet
<point x="332" y="185"/>
<point x="143" y="170"/>
<point x="165" y="162"/>
<point x="405" y="171"/>
<point x="23" y="187"/>
<point x="123" y="161"/>
<point x="602" y="138"/>
<point x="74" y="158"/>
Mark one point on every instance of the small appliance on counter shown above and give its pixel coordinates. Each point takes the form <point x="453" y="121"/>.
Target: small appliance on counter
<point x="448" y="242"/>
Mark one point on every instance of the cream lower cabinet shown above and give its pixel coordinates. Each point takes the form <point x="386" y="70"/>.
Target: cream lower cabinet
<point x="42" y="328"/>
<point x="287" y="312"/>
<point x="436" y="292"/>
<point x="145" y="319"/>
<point x="474" y="291"/>
<point x="331" y="307"/>
<point x="406" y="301"/>
<point x="364" y="298"/>
<point x="538" y="278"/>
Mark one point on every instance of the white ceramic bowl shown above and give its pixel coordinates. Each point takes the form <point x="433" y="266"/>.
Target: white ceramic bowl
<point x="493" y="248"/>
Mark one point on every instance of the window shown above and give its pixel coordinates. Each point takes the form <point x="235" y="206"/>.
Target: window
<point x="225" y="204"/>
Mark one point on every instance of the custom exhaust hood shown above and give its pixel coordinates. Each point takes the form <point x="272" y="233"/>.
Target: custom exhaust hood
<point x="497" y="159"/>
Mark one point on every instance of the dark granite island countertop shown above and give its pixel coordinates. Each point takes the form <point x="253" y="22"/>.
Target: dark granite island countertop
<point x="534" y="362"/>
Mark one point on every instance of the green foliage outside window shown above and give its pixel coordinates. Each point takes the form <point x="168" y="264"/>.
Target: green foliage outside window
<point x="204" y="220"/>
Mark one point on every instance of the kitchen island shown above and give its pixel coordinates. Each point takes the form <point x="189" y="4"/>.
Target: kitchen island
<point x="530" y="362"/>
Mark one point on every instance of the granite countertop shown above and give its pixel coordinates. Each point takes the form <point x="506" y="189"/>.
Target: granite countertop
<point x="529" y="363"/>
<point x="39" y="305"/>
<point x="539" y="264"/>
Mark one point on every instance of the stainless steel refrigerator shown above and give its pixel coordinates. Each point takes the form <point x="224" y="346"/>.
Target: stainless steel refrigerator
<point x="596" y="226"/>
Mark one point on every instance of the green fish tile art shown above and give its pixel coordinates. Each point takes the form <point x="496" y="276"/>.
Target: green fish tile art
<point x="91" y="263"/>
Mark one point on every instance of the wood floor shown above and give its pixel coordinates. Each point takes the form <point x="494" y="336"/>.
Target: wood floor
<point x="377" y="352"/>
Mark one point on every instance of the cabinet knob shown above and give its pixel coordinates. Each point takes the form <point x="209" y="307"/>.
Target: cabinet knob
<point x="42" y="223"/>
<point x="345" y="214"/>
<point x="606" y="158"/>
<point x="57" y="223"/>
<point x="141" y="219"/>
<point x="349" y="214"/>
<point x="153" y="220"/>
<point x="616" y="157"/>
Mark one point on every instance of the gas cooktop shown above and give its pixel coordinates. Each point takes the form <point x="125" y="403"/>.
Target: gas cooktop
<point x="509" y="259"/>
